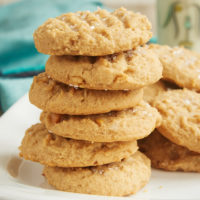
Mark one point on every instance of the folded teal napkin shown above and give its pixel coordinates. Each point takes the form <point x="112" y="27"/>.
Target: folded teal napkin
<point x="17" y="52"/>
<point x="12" y="89"/>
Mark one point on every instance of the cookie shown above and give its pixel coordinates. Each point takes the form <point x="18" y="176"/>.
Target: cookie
<point x="167" y="155"/>
<point x="92" y="33"/>
<point x="55" y="97"/>
<point x="151" y="91"/>
<point x="116" y="179"/>
<point x="180" y="65"/>
<point x="180" y="111"/>
<point x="49" y="149"/>
<point x="131" y="124"/>
<point x="129" y="70"/>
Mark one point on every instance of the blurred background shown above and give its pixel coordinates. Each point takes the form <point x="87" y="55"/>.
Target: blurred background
<point x="174" y="22"/>
<point x="147" y="7"/>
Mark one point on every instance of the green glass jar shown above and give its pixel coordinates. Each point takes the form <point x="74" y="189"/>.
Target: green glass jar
<point x="178" y="23"/>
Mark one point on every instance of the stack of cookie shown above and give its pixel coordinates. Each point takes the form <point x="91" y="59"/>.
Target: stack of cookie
<point x="91" y="97"/>
<point x="175" y="145"/>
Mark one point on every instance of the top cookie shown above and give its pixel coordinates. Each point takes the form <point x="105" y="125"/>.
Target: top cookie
<point x="180" y="65"/>
<point x="180" y="111"/>
<point x="127" y="70"/>
<point x="92" y="33"/>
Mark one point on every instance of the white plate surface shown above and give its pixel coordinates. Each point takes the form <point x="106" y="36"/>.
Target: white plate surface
<point x="23" y="180"/>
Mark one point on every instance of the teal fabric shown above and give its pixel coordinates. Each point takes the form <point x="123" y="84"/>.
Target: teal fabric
<point x="11" y="89"/>
<point x="17" y="52"/>
<point x="153" y="40"/>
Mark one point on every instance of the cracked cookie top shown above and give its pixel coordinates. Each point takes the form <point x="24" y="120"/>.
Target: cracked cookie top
<point x="92" y="33"/>
<point x="127" y="70"/>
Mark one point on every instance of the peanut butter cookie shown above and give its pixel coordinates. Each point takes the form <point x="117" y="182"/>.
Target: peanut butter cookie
<point x="126" y="125"/>
<point x="55" y="97"/>
<point x="180" y="111"/>
<point x="127" y="70"/>
<point x="49" y="149"/>
<point x="92" y="33"/>
<point x="169" y="156"/>
<point x="115" y="179"/>
<point x="180" y="65"/>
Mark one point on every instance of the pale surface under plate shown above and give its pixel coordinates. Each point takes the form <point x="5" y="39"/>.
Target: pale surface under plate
<point x="23" y="180"/>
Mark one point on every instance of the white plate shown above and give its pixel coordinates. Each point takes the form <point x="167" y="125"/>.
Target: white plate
<point x="23" y="180"/>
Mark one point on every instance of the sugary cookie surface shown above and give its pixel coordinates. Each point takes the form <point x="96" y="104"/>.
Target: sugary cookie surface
<point x="92" y="33"/>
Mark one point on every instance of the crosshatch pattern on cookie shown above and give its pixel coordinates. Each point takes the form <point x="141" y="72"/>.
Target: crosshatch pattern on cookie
<point x="92" y="33"/>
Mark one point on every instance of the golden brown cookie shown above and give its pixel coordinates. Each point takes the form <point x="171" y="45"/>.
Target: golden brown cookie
<point x="116" y="179"/>
<point x="127" y="70"/>
<point x="92" y="33"/>
<point x="180" y="65"/>
<point x="49" y="149"/>
<point x="126" y="125"/>
<point x="180" y="111"/>
<point x="151" y="91"/>
<point x="55" y="97"/>
<point x="169" y="156"/>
